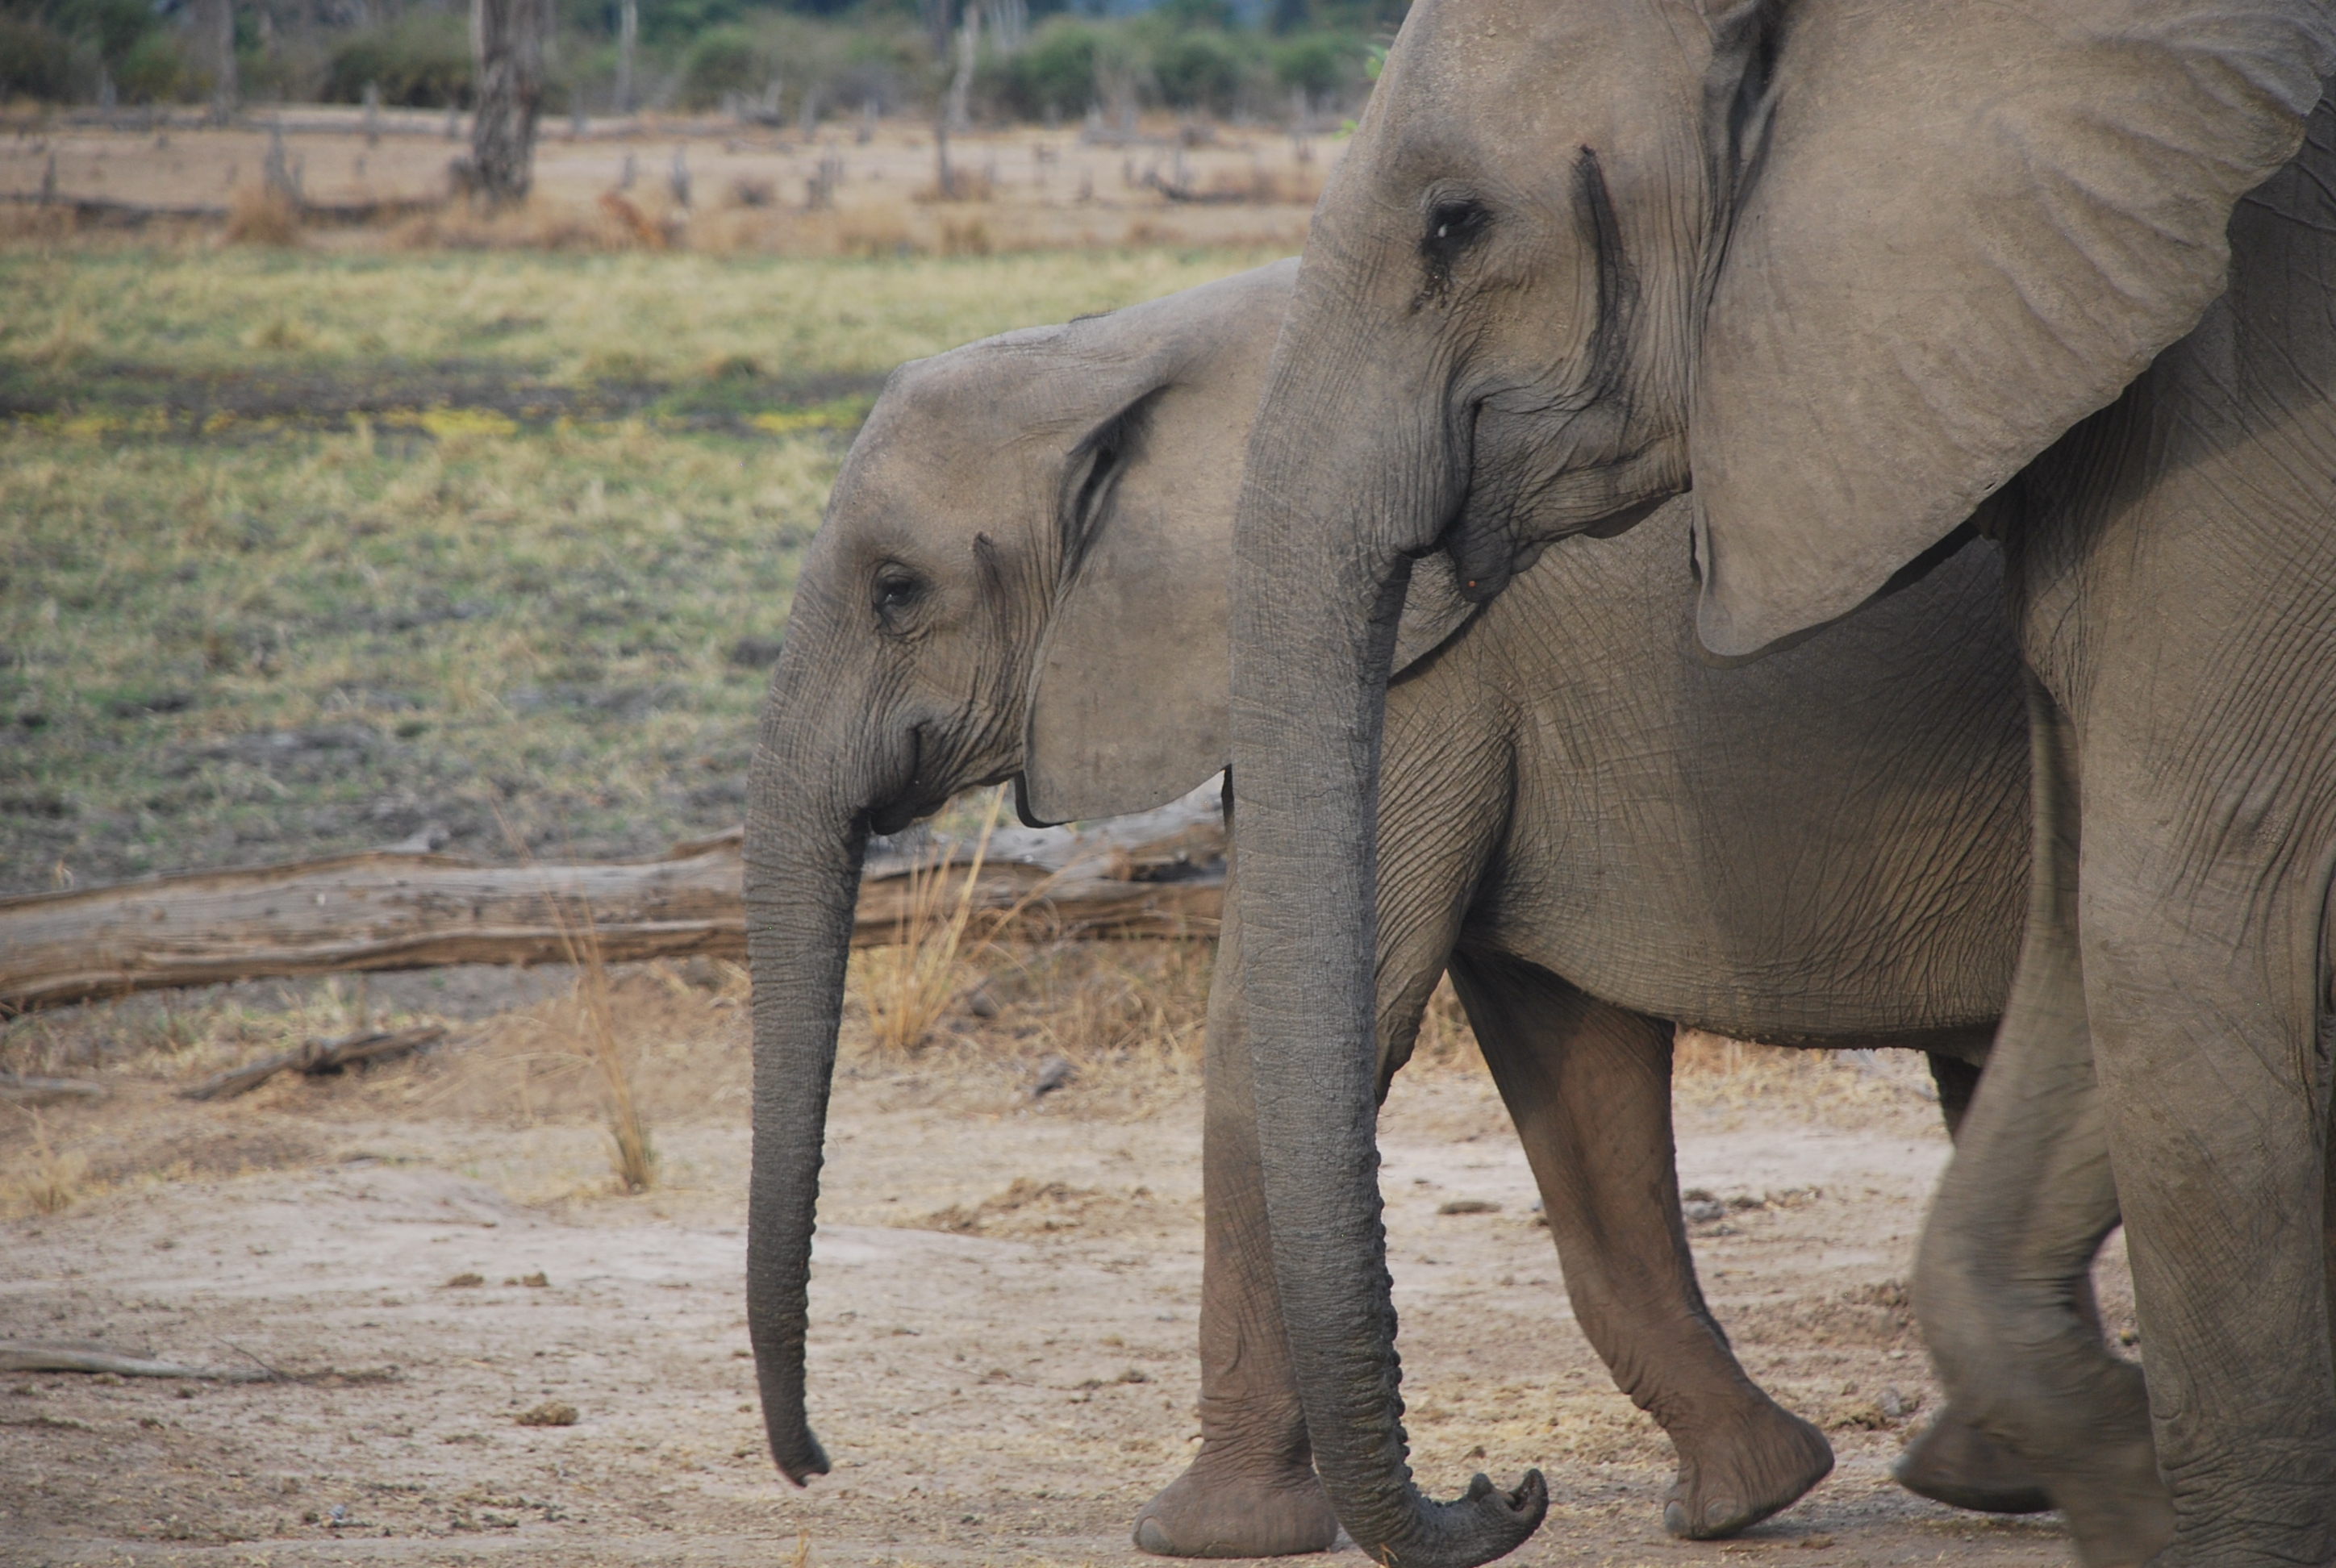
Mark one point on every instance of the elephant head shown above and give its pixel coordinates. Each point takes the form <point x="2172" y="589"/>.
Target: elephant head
<point x="1021" y="575"/>
<point x="1839" y="268"/>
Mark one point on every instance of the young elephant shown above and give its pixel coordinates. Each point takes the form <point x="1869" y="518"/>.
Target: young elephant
<point x="1022" y="575"/>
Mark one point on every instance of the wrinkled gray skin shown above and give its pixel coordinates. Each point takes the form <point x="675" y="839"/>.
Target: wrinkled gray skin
<point x="1598" y="836"/>
<point x="1854" y="272"/>
<point x="1022" y="573"/>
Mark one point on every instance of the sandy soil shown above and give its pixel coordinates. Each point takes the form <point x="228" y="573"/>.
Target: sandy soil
<point x="1003" y="1311"/>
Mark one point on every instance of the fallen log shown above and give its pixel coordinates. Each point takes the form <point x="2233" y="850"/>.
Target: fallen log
<point x="30" y="1093"/>
<point x="317" y="1058"/>
<point x="107" y="211"/>
<point x="52" y="1356"/>
<point x="1158" y="874"/>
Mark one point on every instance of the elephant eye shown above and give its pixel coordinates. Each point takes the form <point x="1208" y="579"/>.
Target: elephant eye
<point x="896" y="591"/>
<point x="1452" y="227"/>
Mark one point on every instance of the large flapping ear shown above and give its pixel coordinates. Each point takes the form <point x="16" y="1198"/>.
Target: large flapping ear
<point x="1966" y="225"/>
<point x="1128" y="691"/>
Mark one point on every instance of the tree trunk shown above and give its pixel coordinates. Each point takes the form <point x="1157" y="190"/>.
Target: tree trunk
<point x="628" y="34"/>
<point x="507" y="40"/>
<point x="227" y="88"/>
<point x="956" y="115"/>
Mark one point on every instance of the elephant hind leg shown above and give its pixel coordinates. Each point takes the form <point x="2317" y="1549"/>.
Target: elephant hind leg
<point x="1589" y="1087"/>
<point x="2002" y="1281"/>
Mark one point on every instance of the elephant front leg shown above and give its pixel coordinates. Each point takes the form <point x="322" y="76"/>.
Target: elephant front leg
<point x="1251" y="1491"/>
<point x="1589" y="1087"/>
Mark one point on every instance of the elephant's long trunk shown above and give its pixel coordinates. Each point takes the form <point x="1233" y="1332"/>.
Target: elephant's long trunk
<point x="1314" y="611"/>
<point x="804" y="839"/>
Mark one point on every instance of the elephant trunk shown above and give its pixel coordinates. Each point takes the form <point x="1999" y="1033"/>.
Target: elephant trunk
<point x="1317" y="591"/>
<point x="806" y="830"/>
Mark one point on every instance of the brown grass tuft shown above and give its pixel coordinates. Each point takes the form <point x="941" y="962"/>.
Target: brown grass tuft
<point x="636" y="223"/>
<point x="592" y="1032"/>
<point x="44" y="1182"/>
<point x="964" y="185"/>
<point x="971" y="237"/>
<point x="907" y="987"/>
<point x="262" y="215"/>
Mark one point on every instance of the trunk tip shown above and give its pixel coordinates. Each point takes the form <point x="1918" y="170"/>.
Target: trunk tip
<point x="801" y="1458"/>
<point x="1481" y="1525"/>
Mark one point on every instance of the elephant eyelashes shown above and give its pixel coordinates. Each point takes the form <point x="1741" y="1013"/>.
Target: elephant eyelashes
<point x="1452" y="227"/>
<point x="895" y="593"/>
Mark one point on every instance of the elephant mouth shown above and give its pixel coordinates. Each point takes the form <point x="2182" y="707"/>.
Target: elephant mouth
<point x="918" y="796"/>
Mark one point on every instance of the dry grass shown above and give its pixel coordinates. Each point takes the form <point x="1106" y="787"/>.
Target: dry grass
<point x="904" y="989"/>
<point x="755" y="194"/>
<point x="592" y="1033"/>
<point x="261" y="215"/>
<point x="42" y="1181"/>
<point x="1711" y="1072"/>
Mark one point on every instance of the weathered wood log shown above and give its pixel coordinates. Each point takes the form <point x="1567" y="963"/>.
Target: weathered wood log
<point x="105" y="211"/>
<point x="17" y="1090"/>
<point x="41" y="1356"/>
<point x="1158" y="874"/>
<point x="317" y="1058"/>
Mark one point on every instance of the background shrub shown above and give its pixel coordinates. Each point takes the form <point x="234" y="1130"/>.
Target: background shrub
<point x="421" y="60"/>
<point x="154" y="70"/>
<point x="36" y="60"/>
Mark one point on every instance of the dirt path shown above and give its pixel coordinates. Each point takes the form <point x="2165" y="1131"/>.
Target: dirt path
<point x="1004" y="1307"/>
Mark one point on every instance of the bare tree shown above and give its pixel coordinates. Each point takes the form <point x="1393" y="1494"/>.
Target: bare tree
<point x="227" y="90"/>
<point x="955" y="115"/>
<point x="628" y="33"/>
<point x="508" y="38"/>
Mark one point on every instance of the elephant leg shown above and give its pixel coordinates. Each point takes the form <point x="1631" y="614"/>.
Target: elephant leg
<point x="2002" y="1281"/>
<point x="1250" y="1491"/>
<point x="1957" y="1081"/>
<point x="1952" y="1461"/>
<point x="2204" y="1001"/>
<point x="1589" y="1087"/>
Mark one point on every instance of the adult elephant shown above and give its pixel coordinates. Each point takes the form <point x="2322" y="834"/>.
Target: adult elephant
<point x="1861" y="273"/>
<point x="1023" y="574"/>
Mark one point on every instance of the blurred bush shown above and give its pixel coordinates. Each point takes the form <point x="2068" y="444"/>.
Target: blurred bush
<point x="154" y="70"/>
<point x="420" y="61"/>
<point x="770" y="58"/>
<point x="36" y="60"/>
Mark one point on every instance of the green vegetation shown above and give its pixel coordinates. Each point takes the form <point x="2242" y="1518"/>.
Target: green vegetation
<point x="785" y="58"/>
<point x="284" y="637"/>
<point x="570" y="319"/>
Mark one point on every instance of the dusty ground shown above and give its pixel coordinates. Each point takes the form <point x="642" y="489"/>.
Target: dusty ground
<point x="1003" y="1305"/>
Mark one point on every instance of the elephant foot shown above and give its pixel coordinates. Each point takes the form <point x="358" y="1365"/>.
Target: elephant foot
<point x="1223" y="1506"/>
<point x="1956" y="1464"/>
<point x="1744" y="1476"/>
<point x="2118" y="1509"/>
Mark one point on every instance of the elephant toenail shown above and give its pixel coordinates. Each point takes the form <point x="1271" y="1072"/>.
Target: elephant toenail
<point x="1150" y="1537"/>
<point x="1675" y="1518"/>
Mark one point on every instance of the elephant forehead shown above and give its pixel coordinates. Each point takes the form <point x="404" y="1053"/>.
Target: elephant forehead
<point x="1498" y="70"/>
<point x="901" y="488"/>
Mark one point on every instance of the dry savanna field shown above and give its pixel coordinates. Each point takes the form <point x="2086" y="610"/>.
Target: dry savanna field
<point x="426" y="528"/>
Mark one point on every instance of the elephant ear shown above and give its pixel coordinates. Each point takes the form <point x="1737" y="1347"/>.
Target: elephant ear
<point x="1966" y="226"/>
<point x="1127" y="702"/>
<point x="1128" y="689"/>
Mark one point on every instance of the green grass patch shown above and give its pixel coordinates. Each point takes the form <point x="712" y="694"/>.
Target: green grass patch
<point x="218" y="653"/>
<point x="567" y="321"/>
<point x="231" y="633"/>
